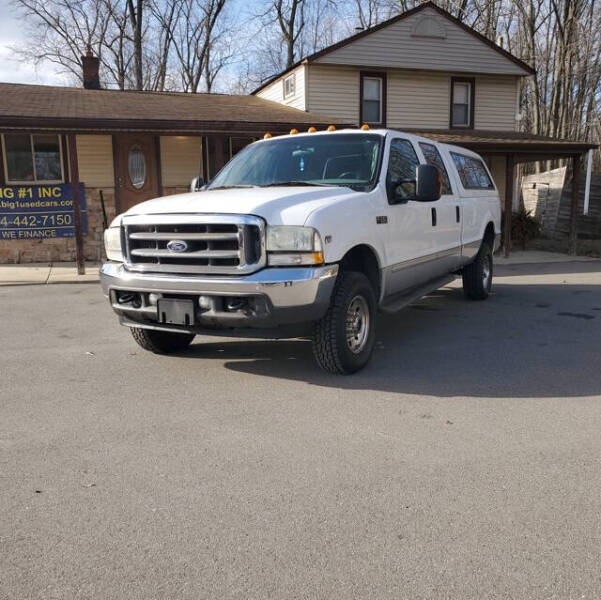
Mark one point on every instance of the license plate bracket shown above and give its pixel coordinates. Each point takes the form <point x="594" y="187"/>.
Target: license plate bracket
<point x="175" y="311"/>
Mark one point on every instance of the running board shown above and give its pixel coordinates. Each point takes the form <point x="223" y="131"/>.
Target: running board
<point x="399" y="301"/>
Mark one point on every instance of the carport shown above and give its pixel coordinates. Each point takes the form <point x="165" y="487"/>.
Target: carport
<point x="504" y="151"/>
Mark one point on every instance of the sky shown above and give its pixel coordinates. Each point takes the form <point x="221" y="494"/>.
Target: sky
<point x="12" y="70"/>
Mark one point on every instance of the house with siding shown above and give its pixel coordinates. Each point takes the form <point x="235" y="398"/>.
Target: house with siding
<point x="426" y="72"/>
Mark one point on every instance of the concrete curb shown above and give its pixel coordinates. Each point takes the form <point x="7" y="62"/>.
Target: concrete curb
<point x="46" y="274"/>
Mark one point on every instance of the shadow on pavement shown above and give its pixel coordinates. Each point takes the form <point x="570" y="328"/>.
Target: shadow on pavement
<point x="526" y="341"/>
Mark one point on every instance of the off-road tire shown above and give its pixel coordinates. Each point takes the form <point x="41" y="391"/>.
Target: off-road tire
<point x="330" y="346"/>
<point x="161" y="342"/>
<point x="477" y="276"/>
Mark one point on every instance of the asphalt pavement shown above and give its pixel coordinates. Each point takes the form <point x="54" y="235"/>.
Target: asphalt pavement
<point x="463" y="463"/>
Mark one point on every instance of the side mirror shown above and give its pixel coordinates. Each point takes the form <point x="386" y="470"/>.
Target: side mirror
<point x="197" y="184"/>
<point x="428" y="183"/>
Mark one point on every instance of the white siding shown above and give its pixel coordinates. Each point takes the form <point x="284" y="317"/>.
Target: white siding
<point x="334" y="91"/>
<point x="180" y="160"/>
<point x="396" y="46"/>
<point x="422" y="100"/>
<point x="95" y="160"/>
<point x="496" y="103"/>
<point x="416" y="99"/>
<point x="275" y="91"/>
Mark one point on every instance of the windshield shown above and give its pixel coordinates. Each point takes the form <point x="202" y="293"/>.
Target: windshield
<point x="339" y="159"/>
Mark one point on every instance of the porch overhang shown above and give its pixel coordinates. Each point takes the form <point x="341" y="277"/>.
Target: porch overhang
<point x="524" y="147"/>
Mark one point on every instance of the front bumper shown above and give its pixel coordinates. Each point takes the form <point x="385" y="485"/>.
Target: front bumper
<point x="272" y="297"/>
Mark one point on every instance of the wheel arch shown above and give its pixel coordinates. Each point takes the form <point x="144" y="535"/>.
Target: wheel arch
<point x="489" y="233"/>
<point x="364" y="259"/>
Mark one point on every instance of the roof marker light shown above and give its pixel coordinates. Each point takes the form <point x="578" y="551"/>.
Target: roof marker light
<point x="311" y="129"/>
<point x="293" y="131"/>
<point x="365" y="127"/>
<point x="331" y="128"/>
<point x="267" y="136"/>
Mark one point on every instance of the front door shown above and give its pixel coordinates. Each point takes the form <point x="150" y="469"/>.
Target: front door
<point x="136" y="168"/>
<point x="410" y="243"/>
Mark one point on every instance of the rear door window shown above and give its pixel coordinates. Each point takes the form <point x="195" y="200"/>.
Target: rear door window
<point x="432" y="156"/>
<point x="472" y="172"/>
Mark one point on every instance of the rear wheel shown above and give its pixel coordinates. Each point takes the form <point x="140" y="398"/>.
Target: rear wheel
<point x="477" y="276"/>
<point x="344" y="338"/>
<point x="161" y="342"/>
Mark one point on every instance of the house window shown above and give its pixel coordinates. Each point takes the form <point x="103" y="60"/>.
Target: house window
<point x="373" y="94"/>
<point x="32" y="158"/>
<point x="462" y="103"/>
<point x="136" y="165"/>
<point x="289" y="86"/>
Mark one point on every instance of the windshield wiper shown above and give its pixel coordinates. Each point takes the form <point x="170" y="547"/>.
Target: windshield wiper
<point x="231" y="187"/>
<point x="296" y="183"/>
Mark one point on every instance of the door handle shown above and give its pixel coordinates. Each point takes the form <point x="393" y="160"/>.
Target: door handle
<point x="433" y="217"/>
<point x="457" y="214"/>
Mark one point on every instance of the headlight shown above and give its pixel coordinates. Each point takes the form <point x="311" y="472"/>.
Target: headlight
<point x="112" y="244"/>
<point x="289" y="245"/>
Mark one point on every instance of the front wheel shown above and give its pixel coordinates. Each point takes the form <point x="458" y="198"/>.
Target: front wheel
<point x="477" y="276"/>
<point x="161" y="342"/>
<point x="344" y="338"/>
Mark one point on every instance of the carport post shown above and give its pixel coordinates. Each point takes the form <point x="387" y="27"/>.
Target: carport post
<point x="74" y="171"/>
<point x="509" y="176"/>
<point x="573" y="241"/>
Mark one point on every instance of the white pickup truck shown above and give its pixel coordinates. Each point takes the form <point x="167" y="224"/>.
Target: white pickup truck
<point x="305" y="235"/>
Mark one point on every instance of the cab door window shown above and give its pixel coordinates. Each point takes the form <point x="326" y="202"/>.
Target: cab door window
<point x="402" y="162"/>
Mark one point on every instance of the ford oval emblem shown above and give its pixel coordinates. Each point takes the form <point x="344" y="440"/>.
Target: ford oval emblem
<point x="177" y="246"/>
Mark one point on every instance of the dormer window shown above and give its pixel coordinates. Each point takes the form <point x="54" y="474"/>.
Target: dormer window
<point x="462" y="103"/>
<point x="289" y="86"/>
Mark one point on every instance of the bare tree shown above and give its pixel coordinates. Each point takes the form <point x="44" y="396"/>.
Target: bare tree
<point x="194" y="33"/>
<point x="290" y="17"/>
<point x="63" y="31"/>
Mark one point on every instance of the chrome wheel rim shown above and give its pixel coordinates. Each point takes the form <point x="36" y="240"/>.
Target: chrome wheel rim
<point x="357" y="324"/>
<point x="486" y="270"/>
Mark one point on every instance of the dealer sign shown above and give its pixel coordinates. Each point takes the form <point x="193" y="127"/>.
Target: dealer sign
<point x="29" y="212"/>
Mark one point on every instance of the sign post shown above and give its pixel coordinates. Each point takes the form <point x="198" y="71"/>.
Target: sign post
<point x="74" y="170"/>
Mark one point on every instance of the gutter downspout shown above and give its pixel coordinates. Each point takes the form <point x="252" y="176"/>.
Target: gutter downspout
<point x="587" y="186"/>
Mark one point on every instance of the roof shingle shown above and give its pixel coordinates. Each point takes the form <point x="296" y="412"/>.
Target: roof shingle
<point x="81" y="107"/>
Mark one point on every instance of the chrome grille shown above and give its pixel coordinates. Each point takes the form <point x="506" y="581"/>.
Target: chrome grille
<point x="207" y="244"/>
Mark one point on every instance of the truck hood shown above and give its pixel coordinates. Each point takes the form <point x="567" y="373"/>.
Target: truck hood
<point x="277" y="205"/>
